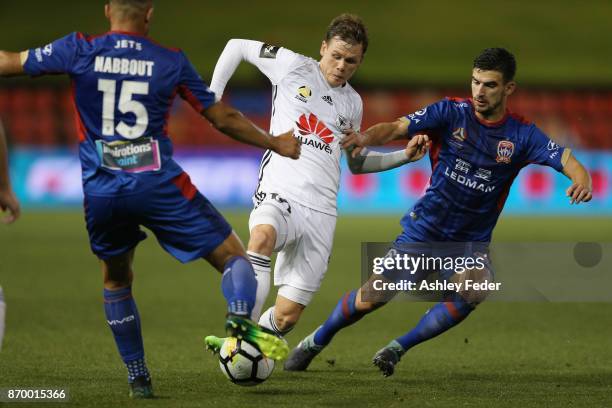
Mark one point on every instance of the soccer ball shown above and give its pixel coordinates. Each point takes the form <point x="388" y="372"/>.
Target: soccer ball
<point x="242" y="362"/>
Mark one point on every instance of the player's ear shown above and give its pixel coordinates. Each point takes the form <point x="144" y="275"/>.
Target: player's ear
<point x="107" y="10"/>
<point x="149" y="15"/>
<point x="510" y="88"/>
<point x="323" y="47"/>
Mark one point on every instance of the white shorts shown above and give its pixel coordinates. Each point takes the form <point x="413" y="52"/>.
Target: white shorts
<point x="304" y="239"/>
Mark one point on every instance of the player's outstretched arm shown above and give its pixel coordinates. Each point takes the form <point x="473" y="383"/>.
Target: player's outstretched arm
<point x="581" y="189"/>
<point x="233" y="123"/>
<point x="11" y="63"/>
<point x="378" y="135"/>
<point x="362" y="160"/>
<point x="271" y="61"/>
<point x="8" y="201"/>
<point x="233" y="54"/>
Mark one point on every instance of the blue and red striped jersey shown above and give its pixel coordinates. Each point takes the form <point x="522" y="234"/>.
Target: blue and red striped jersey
<point x="474" y="163"/>
<point x="123" y="86"/>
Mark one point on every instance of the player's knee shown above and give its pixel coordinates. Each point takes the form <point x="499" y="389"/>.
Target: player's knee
<point x="474" y="298"/>
<point x="262" y="239"/>
<point x="475" y="285"/>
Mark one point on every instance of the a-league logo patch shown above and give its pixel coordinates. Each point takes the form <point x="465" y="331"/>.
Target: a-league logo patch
<point x="460" y="134"/>
<point x="505" y="150"/>
<point x="268" y="51"/>
<point x="304" y="92"/>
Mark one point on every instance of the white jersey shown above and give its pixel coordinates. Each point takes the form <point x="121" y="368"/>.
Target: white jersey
<point x="303" y="100"/>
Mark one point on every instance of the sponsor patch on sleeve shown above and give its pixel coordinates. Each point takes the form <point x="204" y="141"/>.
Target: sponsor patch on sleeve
<point x="268" y="51"/>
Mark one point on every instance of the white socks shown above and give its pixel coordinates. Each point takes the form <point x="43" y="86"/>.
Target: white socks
<point x="261" y="265"/>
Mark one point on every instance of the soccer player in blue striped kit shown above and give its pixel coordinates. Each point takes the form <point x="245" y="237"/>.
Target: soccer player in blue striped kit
<point x="477" y="150"/>
<point x="124" y="85"/>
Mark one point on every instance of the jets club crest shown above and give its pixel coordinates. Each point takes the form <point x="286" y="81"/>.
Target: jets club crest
<point x="505" y="150"/>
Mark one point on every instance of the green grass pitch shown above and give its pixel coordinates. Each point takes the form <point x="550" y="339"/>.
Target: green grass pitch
<point x="504" y="355"/>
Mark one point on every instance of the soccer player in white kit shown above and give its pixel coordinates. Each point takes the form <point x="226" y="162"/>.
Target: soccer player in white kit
<point x="295" y="200"/>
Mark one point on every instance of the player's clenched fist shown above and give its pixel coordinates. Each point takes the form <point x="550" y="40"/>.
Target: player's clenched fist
<point x="287" y="145"/>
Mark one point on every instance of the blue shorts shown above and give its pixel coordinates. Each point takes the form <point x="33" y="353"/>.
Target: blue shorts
<point x="184" y="222"/>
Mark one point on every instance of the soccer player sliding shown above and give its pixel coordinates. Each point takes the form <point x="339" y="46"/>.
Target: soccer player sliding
<point x="124" y="85"/>
<point x="295" y="201"/>
<point x="478" y="149"/>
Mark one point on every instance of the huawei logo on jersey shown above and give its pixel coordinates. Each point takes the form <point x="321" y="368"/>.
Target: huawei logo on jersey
<point x="313" y="126"/>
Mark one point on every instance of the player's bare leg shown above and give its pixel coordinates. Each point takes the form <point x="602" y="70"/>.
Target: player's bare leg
<point x="283" y="316"/>
<point x="117" y="271"/>
<point x="124" y="321"/>
<point x="231" y="247"/>
<point x="239" y="286"/>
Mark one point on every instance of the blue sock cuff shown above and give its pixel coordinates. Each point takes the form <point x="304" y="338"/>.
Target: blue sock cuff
<point x="352" y="296"/>
<point x="116" y="295"/>
<point x="458" y="309"/>
<point x="233" y="260"/>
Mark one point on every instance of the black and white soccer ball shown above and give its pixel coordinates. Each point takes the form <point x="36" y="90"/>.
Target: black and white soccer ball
<point x="242" y="362"/>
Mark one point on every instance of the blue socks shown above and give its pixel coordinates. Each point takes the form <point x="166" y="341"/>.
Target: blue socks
<point x="239" y="286"/>
<point x="124" y="321"/>
<point x="436" y="320"/>
<point x="343" y="315"/>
